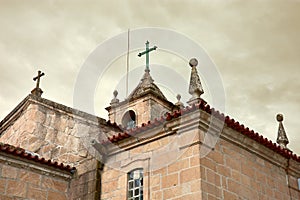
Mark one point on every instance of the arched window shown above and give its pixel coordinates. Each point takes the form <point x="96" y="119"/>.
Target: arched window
<point x="129" y="120"/>
<point x="135" y="185"/>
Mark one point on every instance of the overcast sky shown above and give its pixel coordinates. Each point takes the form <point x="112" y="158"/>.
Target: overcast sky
<point x="255" y="46"/>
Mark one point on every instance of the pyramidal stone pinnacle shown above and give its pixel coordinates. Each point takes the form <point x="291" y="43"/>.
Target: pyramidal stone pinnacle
<point x="195" y="87"/>
<point x="282" y="139"/>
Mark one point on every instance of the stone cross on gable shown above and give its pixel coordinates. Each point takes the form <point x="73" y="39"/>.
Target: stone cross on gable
<point x="147" y="51"/>
<point x="37" y="91"/>
<point x="38" y="77"/>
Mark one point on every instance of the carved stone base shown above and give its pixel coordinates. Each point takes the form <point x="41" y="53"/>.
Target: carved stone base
<point x="37" y="92"/>
<point x="195" y="101"/>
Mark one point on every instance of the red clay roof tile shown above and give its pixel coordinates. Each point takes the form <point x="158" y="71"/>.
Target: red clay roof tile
<point x="17" y="151"/>
<point x="205" y="107"/>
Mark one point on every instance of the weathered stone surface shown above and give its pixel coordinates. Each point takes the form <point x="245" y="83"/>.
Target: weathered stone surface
<point x="16" y="188"/>
<point x="23" y="183"/>
<point x="56" y="195"/>
<point x="53" y="184"/>
<point x="34" y="192"/>
<point x="29" y="177"/>
<point x="51" y="135"/>
<point x="54" y="134"/>
<point x="8" y="172"/>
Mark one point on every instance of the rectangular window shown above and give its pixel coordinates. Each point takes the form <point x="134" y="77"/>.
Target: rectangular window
<point x="135" y="185"/>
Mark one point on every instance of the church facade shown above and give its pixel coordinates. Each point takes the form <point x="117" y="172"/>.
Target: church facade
<point x="149" y="148"/>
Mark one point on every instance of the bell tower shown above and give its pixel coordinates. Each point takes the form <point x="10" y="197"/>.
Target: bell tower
<point x="145" y="103"/>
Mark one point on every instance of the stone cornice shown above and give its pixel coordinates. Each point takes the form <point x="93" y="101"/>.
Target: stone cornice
<point x="175" y="126"/>
<point x="252" y="146"/>
<point x="14" y="114"/>
<point x="34" y="166"/>
<point x="256" y="138"/>
<point x="293" y="168"/>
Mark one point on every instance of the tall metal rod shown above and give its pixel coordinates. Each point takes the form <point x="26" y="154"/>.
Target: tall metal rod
<point x="127" y="66"/>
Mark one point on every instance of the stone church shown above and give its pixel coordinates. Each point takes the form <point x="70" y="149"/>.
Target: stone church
<point x="149" y="148"/>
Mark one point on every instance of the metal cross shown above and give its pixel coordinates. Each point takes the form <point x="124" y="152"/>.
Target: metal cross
<point x="40" y="74"/>
<point x="147" y="51"/>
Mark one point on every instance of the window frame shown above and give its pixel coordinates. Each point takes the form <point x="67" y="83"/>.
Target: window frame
<point x="135" y="185"/>
<point x="129" y="119"/>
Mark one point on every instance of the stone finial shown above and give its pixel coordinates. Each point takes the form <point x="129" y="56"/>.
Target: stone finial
<point x="146" y="85"/>
<point x="37" y="91"/>
<point x="115" y="100"/>
<point x="147" y="79"/>
<point x="193" y="62"/>
<point x="179" y="103"/>
<point x="282" y="139"/>
<point x="195" y="87"/>
<point x="115" y="93"/>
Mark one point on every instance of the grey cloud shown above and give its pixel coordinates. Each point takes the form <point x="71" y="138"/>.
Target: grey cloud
<point x="255" y="45"/>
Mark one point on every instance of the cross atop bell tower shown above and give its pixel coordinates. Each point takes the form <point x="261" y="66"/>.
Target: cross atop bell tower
<point x="147" y="51"/>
